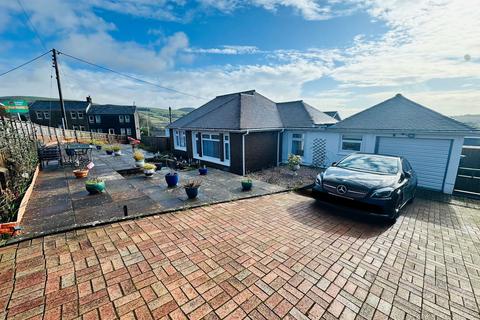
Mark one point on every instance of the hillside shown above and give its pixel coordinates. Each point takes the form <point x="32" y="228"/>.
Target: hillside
<point x="470" y="119"/>
<point x="158" y="118"/>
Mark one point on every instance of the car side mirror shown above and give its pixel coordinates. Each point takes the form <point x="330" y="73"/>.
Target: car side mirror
<point x="407" y="174"/>
<point x="334" y="164"/>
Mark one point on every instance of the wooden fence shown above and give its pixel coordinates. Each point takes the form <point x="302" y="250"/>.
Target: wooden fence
<point x="157" y="144"/>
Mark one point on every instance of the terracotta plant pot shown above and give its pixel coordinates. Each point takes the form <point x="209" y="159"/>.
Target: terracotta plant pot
<point x="79" y="173"/>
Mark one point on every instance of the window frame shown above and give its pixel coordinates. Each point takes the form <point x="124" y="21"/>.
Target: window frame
<point x="111" y="130"/>
<point x="46" y="115"/>
<point x="91" y="119"/>
<point x="98" y="118"/>
<point x="297" y="139"/>
<point x="358" y="139"/>
<point x="226" y="147"/>
<point x="127" y="118"/>
<point x="79" y="115"/>
<point x="73" y="115"/>
<point x="37" y="113"/>
<point x="180" y="139"/>
<point x="129" y="131"/>
<point x="121" y="118"/>
<point x="122" y="131"/>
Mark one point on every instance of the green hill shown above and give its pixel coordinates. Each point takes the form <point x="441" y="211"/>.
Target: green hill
<point x="157" y="119"/>
<point x="470" y="119"/>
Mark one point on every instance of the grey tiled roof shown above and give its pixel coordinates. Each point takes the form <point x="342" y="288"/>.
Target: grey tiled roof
<point x="111" y="109"/>
<point x="45" y="105"/>
<point x="400" y="113"/>
<point x="251" y="110"/>
<point x="333" y="114"/>
<point x="298" y="114"/>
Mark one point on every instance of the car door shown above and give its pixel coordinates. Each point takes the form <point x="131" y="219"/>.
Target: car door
<point x="412" y="180"/>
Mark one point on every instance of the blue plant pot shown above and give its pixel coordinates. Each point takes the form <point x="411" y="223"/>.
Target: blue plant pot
<point x="99" y="147"/>
<point x="203" y="171"/>
<point x="192" y="193"/>
<point x="109" y="152"/>
<point x="171" y="179"/>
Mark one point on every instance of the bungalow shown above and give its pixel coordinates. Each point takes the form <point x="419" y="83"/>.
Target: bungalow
<point x="246" y="131"/>
<point x="243" y="131"/>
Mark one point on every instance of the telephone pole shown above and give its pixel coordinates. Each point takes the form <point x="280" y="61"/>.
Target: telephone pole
<point x="62" y="104"/>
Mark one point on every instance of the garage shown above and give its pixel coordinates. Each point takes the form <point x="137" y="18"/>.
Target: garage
<point x="428" y="157"/>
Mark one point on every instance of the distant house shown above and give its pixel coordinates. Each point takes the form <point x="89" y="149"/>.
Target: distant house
<point x="114" y="119"/>
<point x="242" y="132"/>
<point x="48" y="113"/>
<point x="86" y="116"/>
<point x="245" y="131"/>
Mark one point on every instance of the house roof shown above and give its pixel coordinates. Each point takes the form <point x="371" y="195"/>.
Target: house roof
<point x="45" y="105"/>
<point x="298" y="114"/>
<point x="235" y="111"/>
<point x="111" y="109"/>
<point x="250" y="110"/>
<point x="400" y="113"/>
<point x="334" y="114"/>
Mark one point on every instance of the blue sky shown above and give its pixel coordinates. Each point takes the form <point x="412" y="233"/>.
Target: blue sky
<point x="336" y="55"/>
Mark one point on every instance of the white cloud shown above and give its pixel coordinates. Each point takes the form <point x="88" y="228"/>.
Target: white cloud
<point x="226" y="50"/>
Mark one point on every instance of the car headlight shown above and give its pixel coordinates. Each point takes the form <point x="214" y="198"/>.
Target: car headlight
<point x="318" y="180"/>
<point x="383" y="193"/>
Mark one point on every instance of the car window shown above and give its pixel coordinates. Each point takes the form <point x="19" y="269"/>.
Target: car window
<point x="406" y="166"/>
<point x="371" y="163"/>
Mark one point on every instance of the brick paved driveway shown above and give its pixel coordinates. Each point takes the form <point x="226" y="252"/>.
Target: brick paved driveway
<point x="279" y="256"/>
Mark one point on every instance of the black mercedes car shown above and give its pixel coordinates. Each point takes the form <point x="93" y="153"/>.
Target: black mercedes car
<point x="381" y="184"/>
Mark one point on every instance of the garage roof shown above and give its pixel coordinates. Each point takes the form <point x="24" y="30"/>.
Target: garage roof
<point x="400" y="113"/>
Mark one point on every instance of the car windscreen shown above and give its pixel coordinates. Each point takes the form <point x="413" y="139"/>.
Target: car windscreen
<point x="370" y="163"/>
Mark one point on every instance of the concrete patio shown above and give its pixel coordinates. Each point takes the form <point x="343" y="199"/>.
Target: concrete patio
<point x="60" y="202"/>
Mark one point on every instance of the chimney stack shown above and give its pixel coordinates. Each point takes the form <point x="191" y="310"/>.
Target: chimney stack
<point x="89" y="99"/>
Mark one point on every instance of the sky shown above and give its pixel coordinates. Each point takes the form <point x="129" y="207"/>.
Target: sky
<point x="335" y="55"/>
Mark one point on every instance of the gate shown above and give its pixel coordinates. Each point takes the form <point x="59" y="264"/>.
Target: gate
<point x="468" y="176"/>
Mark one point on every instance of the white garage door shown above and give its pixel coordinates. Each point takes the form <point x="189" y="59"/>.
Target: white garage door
<point x="428" y="157"/>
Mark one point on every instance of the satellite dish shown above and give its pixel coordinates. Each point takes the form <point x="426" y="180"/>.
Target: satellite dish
<point x="467" y="57"/>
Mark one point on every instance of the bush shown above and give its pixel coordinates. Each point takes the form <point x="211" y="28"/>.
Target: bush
<point x="138" y="155"/>
<point x="294" y="160"/>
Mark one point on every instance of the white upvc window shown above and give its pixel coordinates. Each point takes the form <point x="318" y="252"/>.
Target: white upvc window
<point x="39" y="115"/>
<point x="82" y="128"/>
<point x="46" y="115"/>
<point x="74" y="127"/>
<point x="127" y="119"/>
<point x="351" y="143"/>
<point x="80" y="115"/>
<point x="129" y="131"/>
<point x="180" y="140"/>
<point x="100" y="130"/>
<point x="111" y="131"/>
<point x="120" y="118"/>
<point x="211" y="147"/>
<point x="91" y="119"/>
<point x="73" y="115"/>
<point x="98" y="119"/>
<point x="122" y="131"/>
<point x="298" y="144"/>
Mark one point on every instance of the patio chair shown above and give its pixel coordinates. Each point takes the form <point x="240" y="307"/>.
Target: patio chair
<point x="49" y="153"/>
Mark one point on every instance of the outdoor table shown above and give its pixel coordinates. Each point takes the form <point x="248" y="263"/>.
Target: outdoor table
<point x="78" y="152"/>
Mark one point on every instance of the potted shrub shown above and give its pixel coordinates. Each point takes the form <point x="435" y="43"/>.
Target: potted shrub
<point x="247" y="184"/>
<point x="98" y="144"/>
<point x="117" y="150"/>
<point x="95" y="186"/>
<point x="139" y="159"/>
<point x="108" y="150"/>
<point x="294" y="161"/>
<point x="172" y="179"/>
<point x="191" y="188"/>
<point x="203" y="170"/>
<point x="149" y="169"/>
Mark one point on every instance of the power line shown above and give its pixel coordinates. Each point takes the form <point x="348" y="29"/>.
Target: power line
<point x="31" y="24"/>
<point x="25" y="63"/>
<point x="131" y="77"/>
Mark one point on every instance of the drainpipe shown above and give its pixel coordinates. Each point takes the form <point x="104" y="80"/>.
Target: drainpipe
<point x="278" y="146"/>
<point x="243" y="151"/>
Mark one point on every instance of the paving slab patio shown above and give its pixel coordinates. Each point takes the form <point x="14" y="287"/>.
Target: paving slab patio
<point x="60" y="202"/>
<point x="282" y="256"/>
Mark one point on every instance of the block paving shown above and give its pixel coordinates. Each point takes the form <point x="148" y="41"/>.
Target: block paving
<point x="280" y="256"/>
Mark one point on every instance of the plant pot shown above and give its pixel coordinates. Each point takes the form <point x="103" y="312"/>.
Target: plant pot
<point x="246" y="186"/>
<point x="98" y="147"/>
<point x="149" y="172"/>
<point x="94" y="188"/>
<point x="192" y="193"/>
<point x="296" y="167"/>
<point x="80" y="173"/>
<point x="118" y="153"/>
<point x="109" y="152"/>
<point x="171" y="179"/>
<point x="139" y="163"/>
<point x="203" y="171"/>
